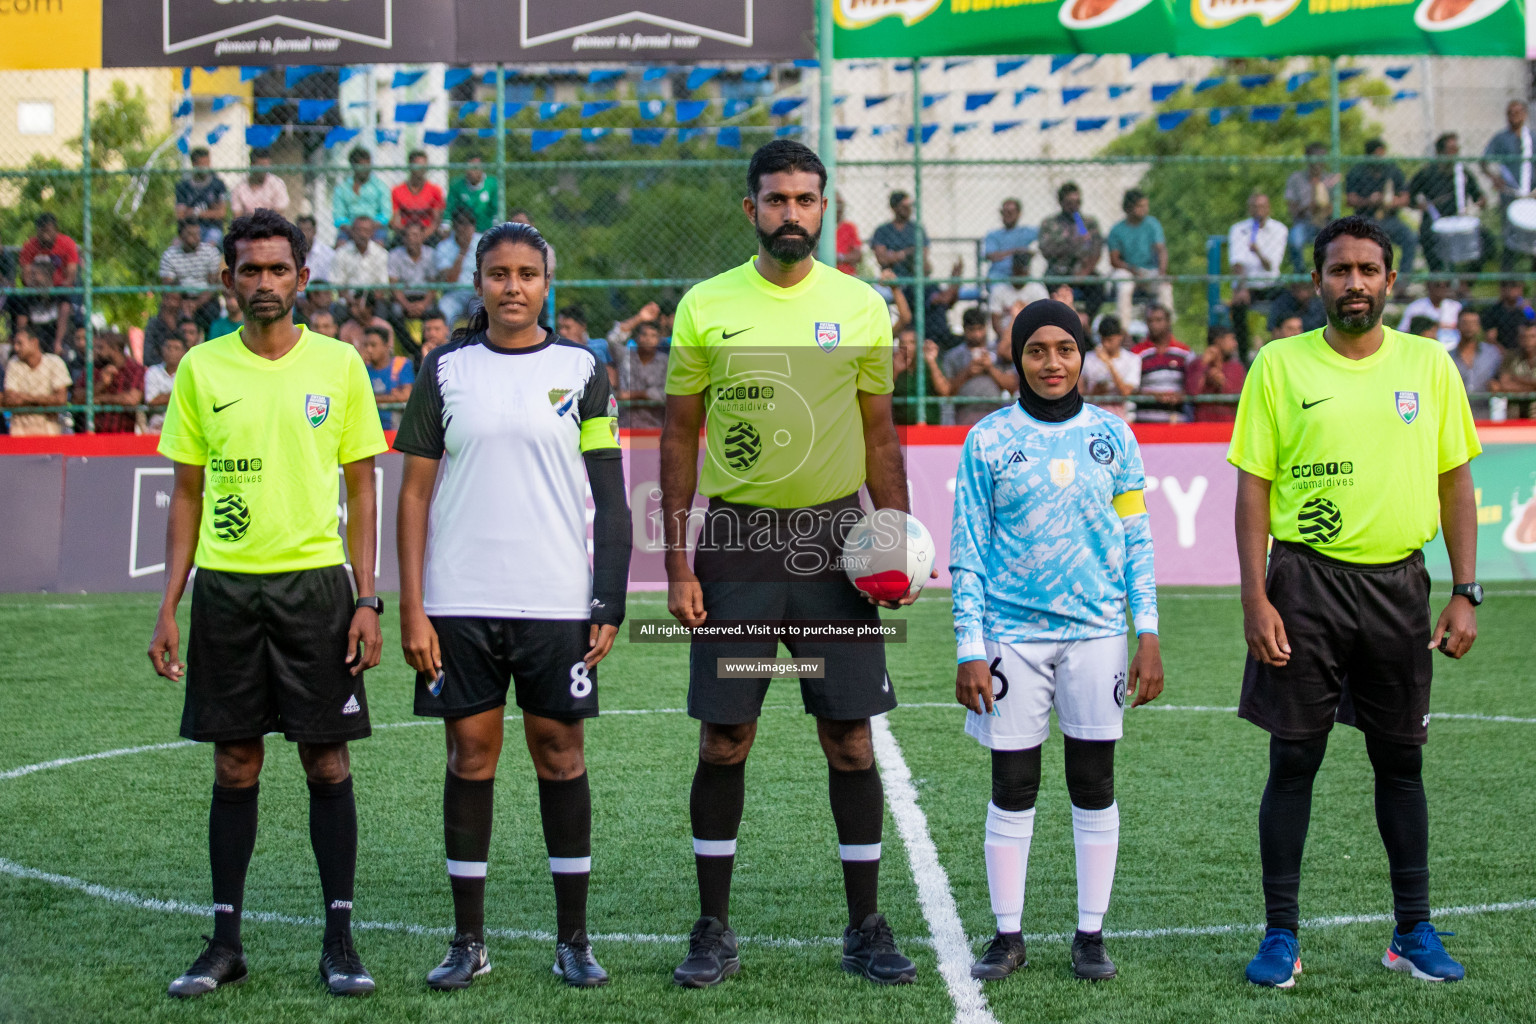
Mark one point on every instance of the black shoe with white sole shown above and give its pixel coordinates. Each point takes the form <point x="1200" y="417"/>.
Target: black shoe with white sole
<point x="342" y="970"/>
<point x="1003" y="955"/>
<point x="575" y="964"/>
<point x="466" y="961"/>
<point x="217" y="967"/>
<point x="1089" y="961"/>
<point x="870" y="950"/>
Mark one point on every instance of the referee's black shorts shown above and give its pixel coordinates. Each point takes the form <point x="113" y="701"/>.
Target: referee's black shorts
<point x="782" y="566"/>
<point x="1359" y="638"/>
<point x="267" y="653"/>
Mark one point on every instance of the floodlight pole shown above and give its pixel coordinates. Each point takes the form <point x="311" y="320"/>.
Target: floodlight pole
<point x="826" y="141"/>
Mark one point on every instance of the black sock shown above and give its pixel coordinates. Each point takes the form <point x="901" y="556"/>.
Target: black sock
<point x="1402" y="817"/>
<point x="467" y="838"/>
<point x="333" y="834"/>
<point x="714" y="808"/>
<point x="231" y="838"/>
<point x="858" y="808"/>
<point x="1284" y="814"/>
<point x="566" y="811"/>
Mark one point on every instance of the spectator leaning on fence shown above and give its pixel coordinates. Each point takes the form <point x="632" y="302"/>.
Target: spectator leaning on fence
<point x="1256" y="248"/>
<point x="34" y="377"/>
<point x="416" y="200"/>
<point x="1508" y="160"/>
<point x="1309" y="204"/>
<point x="202" y="196"/>
<point x="1509" y="315"/>
<point x="1216" y="371"/>
<point x="360" y="261"/>
<point x="1138" y="250"/>
<point x="1447" y="190"/>
<point x="62" y="252"/>
<point x="1478" y="361"/>
<point x="1376" y="189"/>
<point x="1004" y="245"/>
<point x="320" y="256"/>
<point x="643" y="377"/>
<point x="1518" y="374"/>
<point x="474" y="192"/>
<point x="1164" y="361"/>
<point x="1071" y="244"/>
<point x="260" y="189"/>
<point x="456" y="264"/>
<point x="118" y="380"/>
<point x="1111" y="369"/>
<point x="159" y="378"/>
<point x="1438" y="305"/>
<point x="850" y="247"/>
<point x="192" y="265"/>
<point x="363" y="195"/>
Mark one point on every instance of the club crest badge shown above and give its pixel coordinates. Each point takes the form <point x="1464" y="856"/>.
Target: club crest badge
<point x="317" y="408"/>
<point x="828" y="335"/>
<point x="1063" y="472"/>
<point x="1408" y="405"/>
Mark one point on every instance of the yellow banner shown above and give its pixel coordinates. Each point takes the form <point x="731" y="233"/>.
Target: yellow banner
<point x="50" y="34"/>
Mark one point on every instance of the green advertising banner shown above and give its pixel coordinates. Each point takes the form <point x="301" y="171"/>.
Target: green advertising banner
<point x="1214" y="28"/>
<point x="1505" y="478"/>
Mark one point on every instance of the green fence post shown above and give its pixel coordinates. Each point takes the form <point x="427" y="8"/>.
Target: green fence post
<point x="88" y="363"/>
<point x="920" y="250"/>
<point x="1335" y="150"/>
<point x="501" y="143"/>
<point x="827" y="133"/>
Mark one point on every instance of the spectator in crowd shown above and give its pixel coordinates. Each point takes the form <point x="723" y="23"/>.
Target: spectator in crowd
<point x="62" y="252"/>
<point x="201" y="195"/>
<point x="456" y="264"/>
<point x="392" y="376"/>
<point x="434" y="332"/>
<point x="192" y="265"/>
<point x="362" y="313"/>
<point x="1378" y="190"/>
<point x="159" y="378"/>
<point x="412" y="270"/>
<point x="1111" y="369"/>
<point x="260" y="189"/>
<point x="1216" y="371"/>
<point x="34" y="377"/>
<point x="895" y="301"/>
<point x="1509" y="315"/>
<point x="571" y="323"/>
<point x="1309" y="204"/>
<point x="361" y="196"/>
<point x="1425" y="327"/>
<point x="895" y="242"/>
<point x="362" y="261"/>
<point x="416" y="200"/>
<point x="189" y="332"/>
<point x="521" y="217"/>
<point x="1478" y="361"/>
<point x="1004" y="245"/>
<point x="1518" y="374"/>
<point x="52" y="316"/>
<point x="1164" y="363"/>
<point x="323" y="322"/>
<point x="231" y="320"/>
<point x="1507" y="160"/>
<point x="1071" y="244"/>
<point x="1007" y="296"/>
<point x="118" y="380"/>
<point x="643" y="377"/>
<point x="474" y="192"/>
<point x="1300" y="299"/>
<point x="1446" y="190"/>
<point x="1137" y="251"/>
<point x="975" y="370"/>
<point x="1256" y="248"/>
<point x="164" y="323"/>
<point x="941" y="298"/>
<point x="318" y="297"/>
<point x="622" y="331"/>
<point x="320" y="257"/>
<point x="905" y="378"/>
<point x="850" y="247"/>
<point x="1438" y="304"/>
<point x="1287" y="327"/>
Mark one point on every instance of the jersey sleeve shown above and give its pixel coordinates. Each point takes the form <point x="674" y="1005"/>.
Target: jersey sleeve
<point x="598" y="412"/>
<point x="876" y="367"/>
<point x="1458" y="443"/>
<point x="181" y="435"/>
<point x="687" y="360"/>
<point x="362" y="432"/>
<point x="1131" y="505"/>
<point x="422" y="430"/>
<point x="970" y="538"/>
<point x="1253" y="448"/>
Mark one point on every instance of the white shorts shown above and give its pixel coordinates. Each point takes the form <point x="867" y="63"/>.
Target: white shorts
<point x="1084" y="680"/>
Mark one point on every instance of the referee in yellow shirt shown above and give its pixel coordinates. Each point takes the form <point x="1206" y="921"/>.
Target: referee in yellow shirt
<point x="787" y="363"/>
<point x="1353" y="445"/>
<point x="258" y="423"/>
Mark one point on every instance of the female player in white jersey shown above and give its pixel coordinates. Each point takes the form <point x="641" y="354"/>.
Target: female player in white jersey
<point x="1051" y="541"/>
<point x="504" y="430"/>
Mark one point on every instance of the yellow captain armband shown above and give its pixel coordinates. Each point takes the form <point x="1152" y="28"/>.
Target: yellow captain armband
<point x="598" y="433"/>
<point x="1131" y="503"/>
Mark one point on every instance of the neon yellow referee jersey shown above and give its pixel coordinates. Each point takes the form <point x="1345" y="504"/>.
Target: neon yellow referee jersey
<point x="781" y="369"/>
<point x="271" y="434"/>
<point x="1354" y="448"/>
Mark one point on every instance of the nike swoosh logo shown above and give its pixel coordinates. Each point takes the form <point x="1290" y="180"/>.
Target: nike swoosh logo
<point x="728" y="335"/>
<point x="1320" y="401"/>
<point x="226" y="405"/>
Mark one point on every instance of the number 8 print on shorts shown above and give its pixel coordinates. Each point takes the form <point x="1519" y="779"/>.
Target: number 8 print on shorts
<point x="581" y="680"/>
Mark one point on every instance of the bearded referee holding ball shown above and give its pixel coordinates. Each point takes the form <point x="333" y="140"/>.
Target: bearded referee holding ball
<point x="792" y="361"/>
<point x="257" y="425"/>
<point x="1353" y="443"/>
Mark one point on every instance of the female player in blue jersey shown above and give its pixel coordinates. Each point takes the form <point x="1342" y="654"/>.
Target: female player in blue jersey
<point x="1051" y="541"/>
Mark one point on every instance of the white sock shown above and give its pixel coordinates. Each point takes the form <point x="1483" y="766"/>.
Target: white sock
<point x="1096" y="834"/>
<point x="1007" y="850"/>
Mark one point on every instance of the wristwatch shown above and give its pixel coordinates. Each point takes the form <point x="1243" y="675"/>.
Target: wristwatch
<point x="1471" y="591"/>
<point x="376" y="603"/>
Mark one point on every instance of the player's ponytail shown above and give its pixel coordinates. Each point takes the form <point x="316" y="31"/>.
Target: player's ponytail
<point x="516" y="233"/>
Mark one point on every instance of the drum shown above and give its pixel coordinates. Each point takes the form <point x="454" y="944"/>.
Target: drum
<point x="1458" y="240"/>
<point x="1520" y="226"/>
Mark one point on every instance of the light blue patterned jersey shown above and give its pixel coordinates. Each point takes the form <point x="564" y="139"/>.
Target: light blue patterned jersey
<point x="1051" y="536"/>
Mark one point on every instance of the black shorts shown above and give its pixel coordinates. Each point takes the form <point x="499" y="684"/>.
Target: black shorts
<point x="483" y="657"/>
<point x="267" y="653"/>
<point x="781" y="566"/>
<point x="1359" y="638"/>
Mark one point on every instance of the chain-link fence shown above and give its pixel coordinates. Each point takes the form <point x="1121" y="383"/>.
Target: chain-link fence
<point x="635" y="175"/>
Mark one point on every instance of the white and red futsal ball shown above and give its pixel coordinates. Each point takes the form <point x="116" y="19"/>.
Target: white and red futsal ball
<point x="888" y="553"/>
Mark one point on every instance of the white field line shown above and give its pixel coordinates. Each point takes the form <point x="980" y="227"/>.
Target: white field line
<point x="933" y="893"/>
